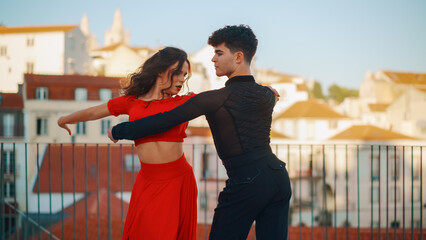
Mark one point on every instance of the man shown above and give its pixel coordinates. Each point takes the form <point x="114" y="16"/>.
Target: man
<point x="240" y="117"/>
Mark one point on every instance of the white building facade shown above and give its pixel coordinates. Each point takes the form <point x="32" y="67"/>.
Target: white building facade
<point x="40" y="49"/>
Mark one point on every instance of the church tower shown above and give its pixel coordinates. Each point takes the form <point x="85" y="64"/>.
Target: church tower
<point x="91" y="42"/>
<point x="117" y="33"/>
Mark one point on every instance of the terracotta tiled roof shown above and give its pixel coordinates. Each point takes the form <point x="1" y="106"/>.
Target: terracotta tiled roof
<point x="302" y="87"/>
<point x="62" y="87"/>
<point x="198" y="131"/>
<point x="280" y="77"/>
<point x="71" y="80"/>
<point x="275" y="134"/>
<point x="378" y="107"/>
<point x="61" y="177"/>
<point x="117" y="216"/>
<point x="310" y="109"/>
<point x="407" y="77"/>
<point x="109" y="48"/>
<point x="11" y="101"/>
<point x="368" y="132"/>
<point x="144" y="48"/>
<point x="35" y="29"/>
<point x="285" y="79"/>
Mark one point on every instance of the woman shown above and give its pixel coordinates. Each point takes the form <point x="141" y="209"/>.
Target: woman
<point x="163" y="203"/>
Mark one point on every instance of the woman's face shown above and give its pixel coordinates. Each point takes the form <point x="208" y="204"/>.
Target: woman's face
<point x="177" y="81"/>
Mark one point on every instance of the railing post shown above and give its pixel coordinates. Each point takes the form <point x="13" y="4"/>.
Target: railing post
<point x="50" y="191"/>
<point x="121" y="188"/>
<point x="38" y="187"/>
<point x="347" y="192"/>
<point x="85" y="191"/>
<point x="387" y="192"/>
<point x="205" y="191"/>
<point x="109" y="193"/>
<point x="14" y="193"/>
<point x="378" y="190"/>
<point x="421" y="192"/>
<point x="335" y="191"/>
<point x="97" y="191"/>
<point x="312" y="190"/>
<point x="371" y="192"/>
<point x="62" y="191"/>
<point x="394" y="192"/>
<point x="357" y="176"/>
<point x="2" y="200"/>
<point x="26" y="191"/>
<point x="324" y="192"/>
<point x="403" y="192"/>
<point x="412" y="195"/>
<point x="73" y="191"/>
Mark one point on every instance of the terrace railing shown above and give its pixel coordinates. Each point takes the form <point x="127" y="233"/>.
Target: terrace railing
<point x="339" y="191"/>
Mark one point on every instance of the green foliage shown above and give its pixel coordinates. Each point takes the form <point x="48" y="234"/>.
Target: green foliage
<point x="316" y="91"/>
<point x="340" y="93"/>
<point x="335" y="92"/>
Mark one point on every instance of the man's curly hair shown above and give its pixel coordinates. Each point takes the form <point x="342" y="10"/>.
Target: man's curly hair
<point x="236" y="38"/>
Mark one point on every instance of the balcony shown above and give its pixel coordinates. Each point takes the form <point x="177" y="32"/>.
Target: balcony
<point x="340" y="191"/>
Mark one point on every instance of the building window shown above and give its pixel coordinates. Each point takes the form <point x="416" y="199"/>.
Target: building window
<point x="332" y="124"/>
<point x="41" y="126"/>
<point x="9" y="189"/>
<point x="105" y="94"/>
<point x="105" y="125"/>
<point x="8" y="160"/>
<point x="42" y="93"/>
<point x="8" y="125"/>
<point x="394" y="165"/>
<point x="80" y="94"/>
<point x="30" y="42"/>
<point x="415" y="165"/>
<point x="376" y="194"/>
<point x="132" y="163"/>
<point x="375" y="170"/>
<point x="72" y="43"/>
<point x="71" y="65"/>
<point x="283" y="94"/>
<point x="3" y="51"/>
<point x="30" y="67"/>
<point x="81" y="128"/>
<point x="392" y="195"/>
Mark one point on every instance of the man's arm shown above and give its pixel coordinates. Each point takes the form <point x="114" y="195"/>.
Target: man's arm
<point x="199" y="105"/>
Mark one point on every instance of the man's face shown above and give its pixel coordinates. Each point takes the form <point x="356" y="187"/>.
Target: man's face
<point x="224" y="60"/>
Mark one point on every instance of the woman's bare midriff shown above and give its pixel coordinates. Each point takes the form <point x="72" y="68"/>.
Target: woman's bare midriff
<point x="159" y="152"/>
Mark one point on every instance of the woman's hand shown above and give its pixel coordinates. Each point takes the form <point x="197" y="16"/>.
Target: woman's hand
<point x="63" y="124"/>
<point x="110" y="135"/>
<point x="277" y="95"/>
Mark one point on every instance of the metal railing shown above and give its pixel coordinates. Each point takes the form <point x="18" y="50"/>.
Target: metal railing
<point x="340" y="191"/>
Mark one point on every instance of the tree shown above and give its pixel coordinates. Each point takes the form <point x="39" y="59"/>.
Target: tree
<point x="340" y="93"/>
<point x="316" y="91"/>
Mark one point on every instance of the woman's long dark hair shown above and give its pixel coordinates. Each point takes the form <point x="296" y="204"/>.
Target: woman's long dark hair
<point x="145" y="77"/>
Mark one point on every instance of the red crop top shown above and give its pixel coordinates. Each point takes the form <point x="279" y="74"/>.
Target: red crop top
<point x="137" y="109"/>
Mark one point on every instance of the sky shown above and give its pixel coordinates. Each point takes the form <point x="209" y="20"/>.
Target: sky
<point x="331" y="41"/>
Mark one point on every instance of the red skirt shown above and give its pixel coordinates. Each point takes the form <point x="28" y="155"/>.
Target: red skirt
<point x="163" y="204"/>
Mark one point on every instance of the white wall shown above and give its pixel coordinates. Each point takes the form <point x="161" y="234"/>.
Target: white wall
<point x="49" y="54"/>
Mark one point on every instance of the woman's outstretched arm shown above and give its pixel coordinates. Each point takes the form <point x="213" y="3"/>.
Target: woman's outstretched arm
<point x="88" y="114"/>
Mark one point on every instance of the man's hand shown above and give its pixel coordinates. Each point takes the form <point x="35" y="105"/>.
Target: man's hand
<point x="110" y="135"/>
<point x="277" y="95"/>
